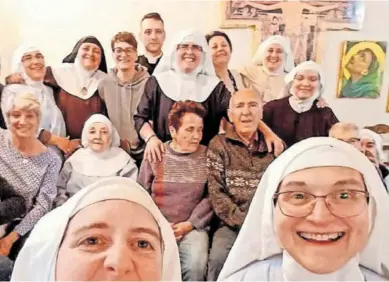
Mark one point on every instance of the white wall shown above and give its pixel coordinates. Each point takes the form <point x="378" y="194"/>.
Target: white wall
<point x="56" y="26"/>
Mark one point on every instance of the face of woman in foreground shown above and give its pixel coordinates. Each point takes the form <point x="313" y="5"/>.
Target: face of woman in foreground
<point x="110" y="241"/>
<point x="322" y="242"/>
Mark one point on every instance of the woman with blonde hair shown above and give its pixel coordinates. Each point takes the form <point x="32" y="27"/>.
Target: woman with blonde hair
<point x="28" y="166"/>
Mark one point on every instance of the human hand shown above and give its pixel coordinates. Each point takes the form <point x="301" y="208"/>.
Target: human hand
<point x="154" y="150"/>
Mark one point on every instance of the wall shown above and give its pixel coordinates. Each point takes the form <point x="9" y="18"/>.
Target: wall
<point x="55" y="26"/>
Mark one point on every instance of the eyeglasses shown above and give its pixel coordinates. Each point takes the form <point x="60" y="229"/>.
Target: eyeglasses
<point x="127" y="51"/>
<point x="186" y="47"/>
<point x="345" y="203"/>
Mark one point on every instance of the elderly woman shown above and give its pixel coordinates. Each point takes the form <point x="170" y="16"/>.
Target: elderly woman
<point x="296" y="116"/>
<point x="28" y="166"/>
<point x="99" y="158"/>
<point x="184" y="73"/>
<point x="76" y="84"/>
<point x="90" y="238"/>
<point x="272" y="61"/>
<point x="221" y="49"/>
<point x="30" y="63"/>
<point x="319" y="214"/>
<point x="180" y="196"/>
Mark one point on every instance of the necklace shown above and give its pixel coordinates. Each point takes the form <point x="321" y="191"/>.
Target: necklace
<point x="84" y="90"/>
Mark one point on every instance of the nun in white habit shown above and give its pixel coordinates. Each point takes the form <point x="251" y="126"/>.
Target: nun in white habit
<point x="271" y="62"/>
<point x="29" y="62"/>
<point x="298" y="116"/>
<point x="287" y="237"/>
<point x="100" y="157"/>
<point x="185" y="72"/>
<point x="109" y="231"/>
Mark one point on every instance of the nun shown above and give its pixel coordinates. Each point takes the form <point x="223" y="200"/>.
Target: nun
<point x="186" y="72"/>
<point x="75" y="83"/>
<point x="319" y="214"/>
<point x="297" y="116"/>
<point x="109" y="231"/>
<point x="29" y="61"/>
<point x="100" y="157"/>
<point x="270" y="64"/>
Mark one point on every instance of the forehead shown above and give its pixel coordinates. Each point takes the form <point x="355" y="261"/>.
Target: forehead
<point x="122" y="44"/>
<point x="33" y="53"/>
<point x="307" y="73"/>
<point x="275" y="46"/>
<point x="218" y="39"/>
<point x="315" y="182"/>
<point x="191" y="119"/>
<point x="367" y="139"/>
<point x="98" y="125"/>
<point x="151" y="24"/>
<point x="111" y="213"/>
<point x="89" y="45"/>
<point x="245" y="97"/>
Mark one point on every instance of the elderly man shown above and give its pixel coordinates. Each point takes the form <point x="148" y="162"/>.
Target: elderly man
<point x="236" y="161"/>
<point x="153" y="35"/>
<point x="367" y="141"/>
<point x="371" y="146"/>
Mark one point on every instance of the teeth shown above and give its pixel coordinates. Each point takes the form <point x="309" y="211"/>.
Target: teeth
<point x="321" y="236"/>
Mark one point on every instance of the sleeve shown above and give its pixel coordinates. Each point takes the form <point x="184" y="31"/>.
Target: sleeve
<point x="224" y="101"/>
<point x="45" y="198"/>
<point x="58" y="123"/>
<point x="12" y="205"/>
<point x="146" y="175"/>
<point x="202" y="214"/>
<point x="144" y="110"/>
<point x="130" y="170"/>
<point x="221" y="201"/>
<point x="63" y="180"/>
<point x="268" y="114"/>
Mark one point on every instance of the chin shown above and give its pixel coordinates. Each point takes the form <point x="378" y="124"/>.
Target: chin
<point x="321" y="264"/>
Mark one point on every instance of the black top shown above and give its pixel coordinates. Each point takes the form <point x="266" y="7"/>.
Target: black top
<point x="293" y="127"/>
<point x="155" y="106"/>
<point x="144" y="62"/>
<point x="12" y="205"/>
<point x="2" y="121"/>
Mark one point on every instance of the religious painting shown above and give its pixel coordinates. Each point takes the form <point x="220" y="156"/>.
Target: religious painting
<point x="301" y="21"/>
<point x="361" y="69"/>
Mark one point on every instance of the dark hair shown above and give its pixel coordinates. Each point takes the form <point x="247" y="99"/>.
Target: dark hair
<point x="214" y="33"/>
<point x="154" y="16"/>
<point x="124" y="36"/>
<point x="180" y="108"/>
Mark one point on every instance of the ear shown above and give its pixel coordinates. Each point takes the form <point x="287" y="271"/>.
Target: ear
<point x="229" y="113"/>
<point x="173" y="131"/>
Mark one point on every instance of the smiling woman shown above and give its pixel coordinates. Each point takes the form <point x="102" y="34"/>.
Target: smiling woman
<point x="89" y="240"/>
<point x="314" y="228"/>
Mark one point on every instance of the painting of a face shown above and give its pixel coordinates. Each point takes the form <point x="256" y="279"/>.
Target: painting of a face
<point x="322" y="242"/>
<point x="360" y="62"/>
<point x="110" y="241"/>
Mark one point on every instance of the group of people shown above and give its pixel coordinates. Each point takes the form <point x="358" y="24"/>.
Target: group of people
<point x="170" y="166"/>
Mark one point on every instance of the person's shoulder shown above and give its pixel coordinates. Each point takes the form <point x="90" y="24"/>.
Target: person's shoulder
<point x="52" y="158"/>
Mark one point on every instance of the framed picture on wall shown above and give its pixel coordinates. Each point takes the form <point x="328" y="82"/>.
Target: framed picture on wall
<point x="361" y="69"/>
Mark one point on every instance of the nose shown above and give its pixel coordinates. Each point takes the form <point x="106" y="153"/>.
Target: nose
<point x="119" y="261"/>
<point x="320" y="212"/>
<point x="153" y="35"/>
<point x="197" y="135"/>
<point x="246" y="110"/>
<point x="22" y="120"/>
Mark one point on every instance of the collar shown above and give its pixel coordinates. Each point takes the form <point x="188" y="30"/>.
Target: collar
<point x="152" y="59"/>
<point x="257" y="143"/>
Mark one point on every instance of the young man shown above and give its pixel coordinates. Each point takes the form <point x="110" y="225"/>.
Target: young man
<point x="122" y="89"/>
<point x="152" y="35"/>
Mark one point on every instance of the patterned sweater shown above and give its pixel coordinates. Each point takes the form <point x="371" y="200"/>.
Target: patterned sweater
<point x="178" y="186"/>
<point x="234" y="172"/>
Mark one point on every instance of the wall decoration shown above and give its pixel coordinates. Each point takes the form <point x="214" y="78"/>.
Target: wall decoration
<point x="300" y="21"/>
<point x="361" y="69"/>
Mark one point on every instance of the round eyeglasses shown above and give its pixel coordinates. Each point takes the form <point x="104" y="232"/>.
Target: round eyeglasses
<point x="345" y="203"/>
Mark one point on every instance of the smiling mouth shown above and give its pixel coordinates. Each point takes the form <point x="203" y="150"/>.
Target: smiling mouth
<point x="190" y="60"/>
<point x="321" y="237"/>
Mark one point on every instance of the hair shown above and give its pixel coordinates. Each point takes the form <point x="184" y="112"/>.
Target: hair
<point x="154" y="16"/>
<point x="180" y="108"/>
<point x="214" y="33"/>
<point x="343" y="127"/>
<point x="26" y="101"/>
<point x="124" y="36"/>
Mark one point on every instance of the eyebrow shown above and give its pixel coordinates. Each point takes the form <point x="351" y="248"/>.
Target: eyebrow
<point x="302" y="184"/>
<point x="146" y="230"/>
<point x="96" y="225"/>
